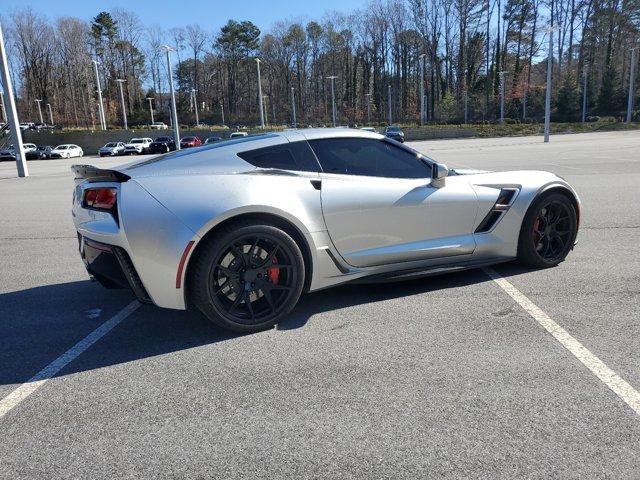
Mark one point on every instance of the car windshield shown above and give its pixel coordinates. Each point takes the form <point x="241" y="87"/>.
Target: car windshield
<point x="111" y="145"/>
<point x="137" y="140"/>
<point x="61" y="147"/>
<point x="163" y="139"/>
<point x="393" y="129"/>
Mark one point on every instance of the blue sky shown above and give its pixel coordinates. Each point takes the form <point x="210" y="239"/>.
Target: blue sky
<point x="209" y="14"/>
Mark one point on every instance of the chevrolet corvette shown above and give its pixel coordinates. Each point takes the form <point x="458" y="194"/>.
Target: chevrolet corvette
<point x="240" y="229"/>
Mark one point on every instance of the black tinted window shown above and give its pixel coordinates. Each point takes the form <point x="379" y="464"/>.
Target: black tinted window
<point x="361" y="156"/>
<point x="290" y="156"/>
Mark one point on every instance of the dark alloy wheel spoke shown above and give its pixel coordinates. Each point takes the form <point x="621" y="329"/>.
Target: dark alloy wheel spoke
<point x="552" y="231"/>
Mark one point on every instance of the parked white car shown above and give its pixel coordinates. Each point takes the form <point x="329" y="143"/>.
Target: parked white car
<point x="28" y="147"/>
<point x="67" y="150"/>
<point x="158" y="126"/>
<point x="238" y="134"/>
<point x="27" y="125"/>
<point x="111" y="149"/>
<point x="137" y="146"/>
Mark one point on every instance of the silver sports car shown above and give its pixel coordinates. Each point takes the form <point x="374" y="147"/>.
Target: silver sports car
<point x="241" y="228"/>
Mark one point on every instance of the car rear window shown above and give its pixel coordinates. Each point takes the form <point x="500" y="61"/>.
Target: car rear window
<point x="289" y="156"/>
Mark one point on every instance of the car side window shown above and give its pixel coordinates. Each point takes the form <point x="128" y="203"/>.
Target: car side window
<point x="365" y="156"/>
<point x="295" y="156"/>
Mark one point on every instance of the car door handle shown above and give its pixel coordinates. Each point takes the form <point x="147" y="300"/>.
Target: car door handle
<point x="317" y="184"/>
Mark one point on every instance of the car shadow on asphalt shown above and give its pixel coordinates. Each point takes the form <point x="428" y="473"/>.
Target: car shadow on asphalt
<point x="41" y="323"/>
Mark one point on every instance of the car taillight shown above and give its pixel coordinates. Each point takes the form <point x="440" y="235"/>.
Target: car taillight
<point x="100" y="198"/>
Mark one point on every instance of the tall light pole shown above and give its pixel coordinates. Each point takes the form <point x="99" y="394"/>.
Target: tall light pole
<point x="422" y="55"/>
<point x="12" y="115"/>
<point x="547" y="98"/>
<point x="466" y="106"/>
<point x="266" y="111"/>
<point x="632" y="81"/>
<point x="50" y="113"/>
<point x="39" y="110"/>
<point x="150" y="100"/>
<point x="501" y="97"/>
<point x="195" y="105"/>
<point x="124" y="109"/>
<point x="584" y="94"/>
<point x="260" y="106"/>
<point x="293" y="107"/>
<point x="174" y="113"/>
<point x="389" y="102"/>
<point x="103" y="118"/>
<point x="333" y="98"/>
<point x="368" y="97"/>
<point x="222" y="111"/>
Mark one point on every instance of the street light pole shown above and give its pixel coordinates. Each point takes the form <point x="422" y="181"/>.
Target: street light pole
<point x="260" y="95"/>
<point x="422" y="88"/>
<point x="584" y="95"/>
<point x="150" y="99"/>
<point x="12" y="115"/>
<point x="333" y="99"/>
<point x="40" y="110"/>
<point x="266" y="110"/>
<point x="174" y="113"/>
<point x="547" y="98"/>
<point x="632" y="80"/>
<point x="124" y="109"/>
<point x="368" y="96"/>
<point x="466" y="106"/>
<point x="50" y="113"/>
<point x="195" y="105"/>
<point x="501" y="74"/>
<point x="222" y="111"/>
<point x="293" y="107"/>
<point x="389" y="102"/>
<point x="103" y="118"/>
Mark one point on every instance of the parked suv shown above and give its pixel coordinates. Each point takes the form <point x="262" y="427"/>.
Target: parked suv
<point x="395" y="133"/>
<point x="137" y="146"/>
<point x="158" y="126"/>
<point x="162" y="145"/>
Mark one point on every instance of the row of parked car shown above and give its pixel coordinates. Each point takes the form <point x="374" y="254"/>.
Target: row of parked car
<point x="41" y="152"/>
<point x="145" y="145"/>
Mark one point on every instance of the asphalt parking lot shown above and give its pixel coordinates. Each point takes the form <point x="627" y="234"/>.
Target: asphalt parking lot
<point x="443" y="377"/>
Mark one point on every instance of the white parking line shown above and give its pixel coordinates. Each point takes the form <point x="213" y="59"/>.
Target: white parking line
<point x="44" y="375"/>
<point x="610" y="378"/>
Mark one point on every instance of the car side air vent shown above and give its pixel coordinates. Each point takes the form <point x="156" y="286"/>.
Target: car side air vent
<point x="489" y="221"/>
<point x="506" y="197"/>
<point x="504" y="201"/>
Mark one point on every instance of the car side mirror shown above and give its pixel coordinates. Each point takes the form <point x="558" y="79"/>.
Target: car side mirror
<point x="439" y="172"/>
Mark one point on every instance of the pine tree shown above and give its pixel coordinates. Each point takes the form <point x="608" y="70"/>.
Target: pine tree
<point x="568" y="101"/>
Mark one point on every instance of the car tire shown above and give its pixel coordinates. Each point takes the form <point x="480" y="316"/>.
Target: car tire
<point x="247" y="277"/>
<point x="548" y="231"/>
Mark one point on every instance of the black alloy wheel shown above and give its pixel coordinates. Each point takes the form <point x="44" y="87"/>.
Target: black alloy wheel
<point x="548" y="231"/>
<point x="248" y="278"/>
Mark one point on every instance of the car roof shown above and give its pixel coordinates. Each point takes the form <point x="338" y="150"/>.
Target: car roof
<point x="320" y="133"/>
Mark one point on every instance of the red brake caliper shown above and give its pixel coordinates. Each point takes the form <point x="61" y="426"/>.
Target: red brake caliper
<point x="274" y="273"/>
<point x="536" y="230"/>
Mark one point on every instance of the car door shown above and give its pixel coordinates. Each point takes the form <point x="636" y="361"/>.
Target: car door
<point x="380" y="206"/>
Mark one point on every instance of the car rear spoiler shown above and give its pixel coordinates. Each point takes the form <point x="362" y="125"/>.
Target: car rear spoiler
<point x="95" y="174"/>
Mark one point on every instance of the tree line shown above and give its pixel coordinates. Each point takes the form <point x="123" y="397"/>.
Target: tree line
<point x="468" y="50"/>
